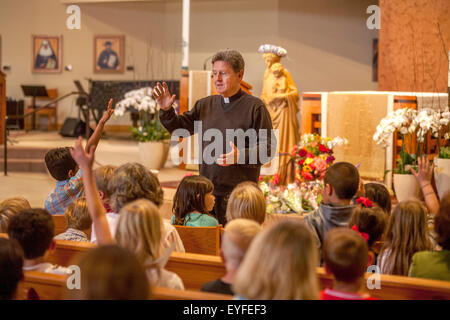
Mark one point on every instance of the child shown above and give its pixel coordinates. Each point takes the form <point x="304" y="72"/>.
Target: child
<point x="192" y="202"/>
<point x="78" y="222"/>
<point x="111" y="273"/>
<point x="435" y="265"/>
<point x="139" y="227"/>
<point x="65" y="170"/>
<point x="369" y="219"/>
<point x="102" y="175"/>
<point x="236" y="239"/>
<point x="406" y="234"/>
<point x="379" y="194"/>
<point x="130" y="182"/>
<point x="247" y="202"/>
<point x="346" y="257"/>
<point x="10" y="207"/>
<point x="34" y="229"/>
<point x="341" y="181"/>
<point x="11" y="263"/>
<point x="279" y="265"/>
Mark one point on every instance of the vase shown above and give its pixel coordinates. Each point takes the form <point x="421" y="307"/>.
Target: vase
<point x="153" y="154"/>
<point x="406" y="187"/>
<point x="442" y="176"/>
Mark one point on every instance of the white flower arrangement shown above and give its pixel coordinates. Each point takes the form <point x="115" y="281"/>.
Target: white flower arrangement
<point x="400" y="120"/>
<point x="140" y="99"/>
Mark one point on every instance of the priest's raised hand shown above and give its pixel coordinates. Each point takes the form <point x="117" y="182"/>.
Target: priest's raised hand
<point x="163" y="96"/>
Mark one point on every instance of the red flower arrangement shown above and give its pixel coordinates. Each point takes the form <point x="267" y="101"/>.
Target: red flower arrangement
<point x="313" y="157"/>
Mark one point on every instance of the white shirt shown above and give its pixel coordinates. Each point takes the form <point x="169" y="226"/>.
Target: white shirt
<point x="170" y="234"/>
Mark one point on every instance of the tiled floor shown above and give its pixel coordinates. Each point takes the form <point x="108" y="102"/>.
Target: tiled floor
<point x="112" y="149"/>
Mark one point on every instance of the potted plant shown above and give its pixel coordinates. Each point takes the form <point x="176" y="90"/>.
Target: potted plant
<point x="152" y="136"/>
<point x="402" y="122"/>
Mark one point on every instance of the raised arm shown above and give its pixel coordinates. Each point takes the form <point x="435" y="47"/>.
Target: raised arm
<point x="95" y="206"/>
<point x="167" y="115"/>
<point x="423" y="176"/>
<point x="95" y="138"/>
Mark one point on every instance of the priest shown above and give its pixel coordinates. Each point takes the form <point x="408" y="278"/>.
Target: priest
<point x="234" y="116"/>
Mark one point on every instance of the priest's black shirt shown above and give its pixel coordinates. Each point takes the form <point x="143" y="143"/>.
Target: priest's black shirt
<point x="243" y="111"/>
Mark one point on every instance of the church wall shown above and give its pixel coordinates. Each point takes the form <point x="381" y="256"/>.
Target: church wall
<point x="329" y="46"/>
<point x="412" y="53"/>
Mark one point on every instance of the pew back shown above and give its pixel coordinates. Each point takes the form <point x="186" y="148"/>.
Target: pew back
<point x="45" y="286"/>
<point x="201" y="240"/>
<point x="60" y="223"/>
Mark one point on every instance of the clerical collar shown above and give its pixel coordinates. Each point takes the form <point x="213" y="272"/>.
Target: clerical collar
<point x="233" y="98"/>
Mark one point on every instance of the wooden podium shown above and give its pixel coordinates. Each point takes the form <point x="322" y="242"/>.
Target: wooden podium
<point x="2" y="106"/>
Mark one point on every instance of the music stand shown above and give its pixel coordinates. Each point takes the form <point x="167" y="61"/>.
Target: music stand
<point x="33" y="92"/>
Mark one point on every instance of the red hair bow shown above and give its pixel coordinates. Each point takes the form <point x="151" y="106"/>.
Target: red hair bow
<point x="365" y="202"/>
<point x="362" y="234"/>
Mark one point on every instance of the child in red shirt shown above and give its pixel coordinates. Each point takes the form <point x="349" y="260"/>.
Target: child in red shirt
<point x="346" y="257"/>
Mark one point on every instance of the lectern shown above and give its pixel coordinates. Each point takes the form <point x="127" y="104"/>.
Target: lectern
<point x="33" y="92"/>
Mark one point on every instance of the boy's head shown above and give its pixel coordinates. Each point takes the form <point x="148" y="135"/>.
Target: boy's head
<point x="60" y="163"/>
<point x="77" y="215"/>
<point x="102" y="175"/>
<point x="11" y="262"/>
<point x="247" y="202"/>
<point x="345" y="254"/>
<point x="34" y="230"/>
<point x="238" y="235"/>
<point x="10" y="207"/>
<point x="341" y="181"/>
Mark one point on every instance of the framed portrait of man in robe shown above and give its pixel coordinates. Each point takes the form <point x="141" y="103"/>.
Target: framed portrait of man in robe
<point x="47" y="54"/>
<point x="109" y="54"/>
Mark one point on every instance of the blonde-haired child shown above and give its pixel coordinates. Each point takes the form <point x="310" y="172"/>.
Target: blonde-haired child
<point x="246" y="201"/>
<point x="10" y="207"/>
<point x="78" y="220"/>
<point x="406" y="234"/>
<point x="139" y="227"/>
<point x="238" y="235"/>
<point x="279" y="265"/>
<point x="102" y="175"/>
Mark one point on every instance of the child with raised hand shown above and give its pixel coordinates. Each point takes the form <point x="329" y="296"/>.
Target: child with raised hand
<point x="424" y="175"/>
<point x="79" y="222"/>
<point x="139" y="226"/>
<point x="370" y="221"/>
<point x="435" y="264"/>
<point x="64" y="169"/>
<point x="346" y="257"/>
<point x="406" y="234"/>
<point x="193" y="201"/>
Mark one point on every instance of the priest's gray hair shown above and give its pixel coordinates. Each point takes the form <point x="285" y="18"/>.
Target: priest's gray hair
<point x="233" y="57"/>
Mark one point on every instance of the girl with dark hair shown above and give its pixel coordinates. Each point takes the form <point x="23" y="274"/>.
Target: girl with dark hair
<point x="193" y="201"/>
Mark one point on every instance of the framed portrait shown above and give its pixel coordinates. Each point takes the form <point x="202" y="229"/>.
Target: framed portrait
<point x="47" y="54"/>
<point x="109" y="54"/>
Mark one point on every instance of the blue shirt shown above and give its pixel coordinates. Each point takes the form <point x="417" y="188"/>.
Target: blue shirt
<point x="66" y="192"/>
<point x="198" y="220"/>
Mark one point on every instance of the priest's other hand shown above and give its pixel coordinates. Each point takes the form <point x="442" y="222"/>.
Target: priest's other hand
<point x="162" y="96"/>
<point x="229" y="158"/>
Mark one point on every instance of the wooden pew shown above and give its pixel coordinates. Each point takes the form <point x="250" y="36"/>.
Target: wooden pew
<point x="47" y="286"/>
<point x="201" y="240"/>
<point x="60" y="223"/>
<point x="197" y="269"/>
